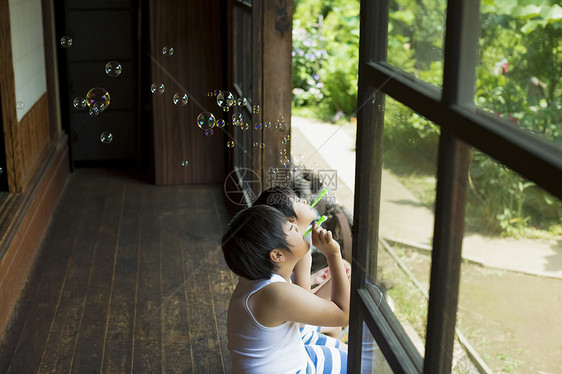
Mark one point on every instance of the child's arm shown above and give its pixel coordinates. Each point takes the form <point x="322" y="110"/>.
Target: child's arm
<point x="279" y="302"/>
<point x="301" y="273"/>
<point x="323" y="240"/>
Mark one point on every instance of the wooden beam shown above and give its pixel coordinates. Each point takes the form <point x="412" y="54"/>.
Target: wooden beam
<point x="368" y="169"/>
<point x="8" y="94"/>
<point x="461" y="50"/>
<point x="277" y="79"/>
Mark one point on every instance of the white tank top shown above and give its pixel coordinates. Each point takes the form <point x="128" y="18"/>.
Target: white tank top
<point x="255" y="348"/>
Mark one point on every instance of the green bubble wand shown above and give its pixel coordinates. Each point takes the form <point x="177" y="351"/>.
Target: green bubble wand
<point x="324" y="192"/>
<point x="323" y="218"/>
<point x="320" y="221"/>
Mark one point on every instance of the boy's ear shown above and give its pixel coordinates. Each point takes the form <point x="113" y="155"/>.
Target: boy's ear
<point x="292" y="219"/>
<point x="277" y="256"/>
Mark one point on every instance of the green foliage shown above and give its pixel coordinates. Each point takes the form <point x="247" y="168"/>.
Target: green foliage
<point x="517" y="78"/>
<point x="325" y="55"/>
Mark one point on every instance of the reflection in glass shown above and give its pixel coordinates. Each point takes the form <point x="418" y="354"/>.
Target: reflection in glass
<point x="416" y="32"/>
<point x="372" y="359"/>
<point x="520" y="65"/>
<point x="511" y="279"/>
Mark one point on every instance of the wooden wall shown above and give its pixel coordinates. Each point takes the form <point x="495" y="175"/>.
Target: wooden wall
<point x="26" y="140"/>
<point x="195" y="29"/>
<point x="31" y="140"/>
<point x="37" y="165"/>
<point x="30" y="218"/>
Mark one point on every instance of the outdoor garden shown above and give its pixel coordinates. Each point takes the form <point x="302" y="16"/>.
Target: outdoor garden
<point x="518" y="78"/>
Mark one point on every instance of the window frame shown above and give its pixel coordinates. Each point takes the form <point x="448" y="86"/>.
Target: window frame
<point x="462" y="126"/>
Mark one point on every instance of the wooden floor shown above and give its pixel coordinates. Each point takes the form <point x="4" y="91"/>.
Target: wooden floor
<point x="130" y="279"/>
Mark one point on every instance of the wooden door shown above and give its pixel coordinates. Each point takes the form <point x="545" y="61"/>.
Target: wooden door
<point x="183" y="153"/>
<point x="102" y="32"/>
<point x="259" y="52"/>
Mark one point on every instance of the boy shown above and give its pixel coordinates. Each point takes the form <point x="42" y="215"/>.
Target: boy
<point x="262" y="247"/>
<point x="297" y="211"/>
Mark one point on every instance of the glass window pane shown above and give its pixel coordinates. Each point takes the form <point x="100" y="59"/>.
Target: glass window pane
<point x="323" y="157"/>
<point x="511" y="279"/>
<point x="320" y="152"/>
<point x="406" y="216"/>
<point x="520" y="65"/>
<point x="416" y="32"/>
<point x="372" y="359"/>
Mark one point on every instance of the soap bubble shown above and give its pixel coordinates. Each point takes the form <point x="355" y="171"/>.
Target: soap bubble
<point x="206" y="121"/>
<point x="180" y="99"/>
<point x="245" y="126"/>
<point x="258" y="126"/>
<point x="256" y="109"/>
<point x="216" y="92"/>
<point x="95" y="110"/>
<point x="283" y="152"/>
<point x="225" y="99"/>
<point x="256" y="144"/>
<point x="168" y="51"/>
<point x="230" y="144"/>
<point x="238" y="119"/>
<point x="281" y="118"/>
<point x="113" y="69"/>
<point x="280" y="126"/>
<point x="79" y="103"/>
<point x="20" y="105"/>
<point x="157" y="88"/>
<point x="185" y="163"/>
<point x="241" y="101"/>
<point x="267" y="125"/>
<point x="262" y="145"/>
<point x="66" y="41"/>
<point x="210" y="94"/>
<point x="209" y="132"/>
<point x="220" y="123"/>
<point x="98" y="97"/>
<point x="106" y="137"/>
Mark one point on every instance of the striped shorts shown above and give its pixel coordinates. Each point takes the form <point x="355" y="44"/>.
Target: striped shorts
<point x="324" y="357"/>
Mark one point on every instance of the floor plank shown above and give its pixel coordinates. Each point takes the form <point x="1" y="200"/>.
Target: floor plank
<point x="130" y="279"/>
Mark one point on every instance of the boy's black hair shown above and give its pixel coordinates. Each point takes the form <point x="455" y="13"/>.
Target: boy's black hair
<point x="252" y="234"/>
<point x="281" y="198"/>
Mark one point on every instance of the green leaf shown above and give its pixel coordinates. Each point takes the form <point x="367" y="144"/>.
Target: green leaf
<point x="530" y="26"/>
<point x="502" y="6"/>
<point x="552" y="13"/>
<point x="405" y="16"/>
<point x="526" y="12"/>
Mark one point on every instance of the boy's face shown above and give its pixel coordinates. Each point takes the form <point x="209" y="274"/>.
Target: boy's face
<point x="297" y="243"/>
<point x="305" y="214"/>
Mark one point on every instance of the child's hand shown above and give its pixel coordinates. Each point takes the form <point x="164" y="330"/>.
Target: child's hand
<point x="322" y="239"/>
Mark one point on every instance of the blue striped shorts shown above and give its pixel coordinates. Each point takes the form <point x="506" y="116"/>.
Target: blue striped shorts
<point x="324" y="357"/>
<point x="312" y="335"/>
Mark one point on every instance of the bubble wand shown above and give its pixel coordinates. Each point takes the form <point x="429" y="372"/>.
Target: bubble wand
<point x="320" y="221"/>
<point x="323" y="218"/>
<point x="324" y="192"/>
